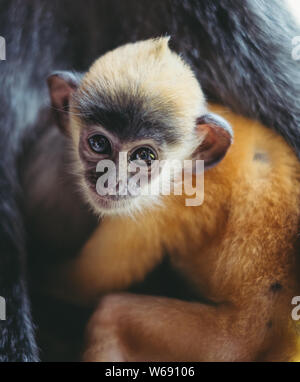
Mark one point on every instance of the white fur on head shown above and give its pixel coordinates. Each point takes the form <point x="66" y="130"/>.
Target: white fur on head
<point x="151" y="71"/>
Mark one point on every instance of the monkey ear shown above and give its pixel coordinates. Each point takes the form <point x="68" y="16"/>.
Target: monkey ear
<point x="61" y="86"/>
<point x="218" y="136"/>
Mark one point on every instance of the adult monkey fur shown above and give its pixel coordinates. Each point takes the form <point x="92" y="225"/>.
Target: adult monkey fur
<point x="240" y="49"/>
<point x="241" y="260"/>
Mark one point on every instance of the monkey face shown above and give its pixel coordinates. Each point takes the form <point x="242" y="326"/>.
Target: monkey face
<point x="116" y="172"/>
<point x="137" y="105"/>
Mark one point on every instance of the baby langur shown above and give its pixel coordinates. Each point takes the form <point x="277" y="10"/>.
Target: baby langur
<point x="236" y="249"/>
<point x="141" y="100"/>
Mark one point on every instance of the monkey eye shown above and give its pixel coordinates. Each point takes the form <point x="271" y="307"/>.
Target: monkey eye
<point x="100" y="144"/>
<point x="144" y="154"/>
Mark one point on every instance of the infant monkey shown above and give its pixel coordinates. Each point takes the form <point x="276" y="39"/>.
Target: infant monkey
<point x="236" y="249"/>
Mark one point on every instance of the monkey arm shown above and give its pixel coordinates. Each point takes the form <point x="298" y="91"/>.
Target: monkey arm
<point x="252" y="282"/>
<point x="108" y="262"/>
<point x="130" y="327"/>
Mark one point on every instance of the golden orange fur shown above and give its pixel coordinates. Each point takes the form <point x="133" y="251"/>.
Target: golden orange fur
<point x="238" y="250"/>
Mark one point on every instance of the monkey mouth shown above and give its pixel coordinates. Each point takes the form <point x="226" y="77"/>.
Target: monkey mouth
<point x="107" y="201"/>
<point x="111" y="202"/>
